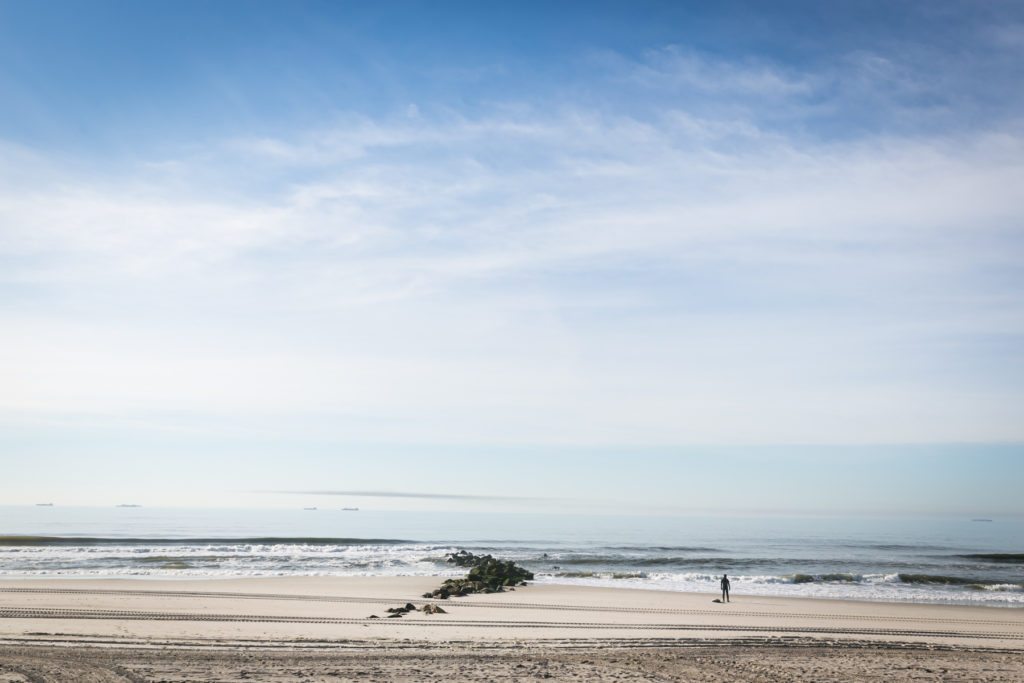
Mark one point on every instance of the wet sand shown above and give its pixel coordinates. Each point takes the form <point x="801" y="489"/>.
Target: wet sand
<point x="306" y="628"/>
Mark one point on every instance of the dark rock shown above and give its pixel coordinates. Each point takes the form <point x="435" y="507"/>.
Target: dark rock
<point x="487" y="574"/>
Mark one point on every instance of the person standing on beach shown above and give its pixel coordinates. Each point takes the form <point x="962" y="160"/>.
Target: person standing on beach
<point x="725" y="587"/>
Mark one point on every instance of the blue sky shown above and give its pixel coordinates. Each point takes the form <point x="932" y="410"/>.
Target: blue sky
<point x="574" y="253"/>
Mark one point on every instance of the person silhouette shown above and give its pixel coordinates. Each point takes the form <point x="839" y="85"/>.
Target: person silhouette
<point x="725" y="587"/>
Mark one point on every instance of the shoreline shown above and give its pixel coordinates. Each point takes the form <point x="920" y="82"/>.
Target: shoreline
<point x="324" y="606"/>
<point x="542" y="580"/>
<point x="318" y="628"/>
<point x="292" y="580"/>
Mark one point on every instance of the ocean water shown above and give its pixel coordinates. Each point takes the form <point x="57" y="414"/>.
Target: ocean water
<point x="953" y="561"/>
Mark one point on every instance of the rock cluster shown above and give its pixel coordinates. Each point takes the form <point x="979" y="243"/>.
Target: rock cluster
<point x="487" y="574"/>
<point x="409" y="607"/>
<point x="397" y="612"/>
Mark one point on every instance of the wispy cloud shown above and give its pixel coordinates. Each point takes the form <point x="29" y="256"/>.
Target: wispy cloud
<point x="674" y="67"/>
<point x="661" y="273"/>
<point x="407" y="494"/>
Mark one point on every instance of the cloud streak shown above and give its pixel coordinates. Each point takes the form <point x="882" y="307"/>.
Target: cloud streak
<point x="413" y="495"/>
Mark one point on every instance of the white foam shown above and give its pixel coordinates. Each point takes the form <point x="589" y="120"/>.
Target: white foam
<point x="872" y="587"/>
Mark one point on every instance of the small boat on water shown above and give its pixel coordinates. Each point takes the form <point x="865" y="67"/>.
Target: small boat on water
<point x="350" y="509"/>
<point x="129" y="505"/>
<point x="44" y="505"/>
<point x="309" y="508"/>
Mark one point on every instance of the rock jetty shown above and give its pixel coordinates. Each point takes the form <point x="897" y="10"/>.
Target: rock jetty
<point x="487" y="574"/>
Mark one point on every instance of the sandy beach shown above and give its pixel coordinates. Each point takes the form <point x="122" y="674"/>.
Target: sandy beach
<point x="311" y="628"/>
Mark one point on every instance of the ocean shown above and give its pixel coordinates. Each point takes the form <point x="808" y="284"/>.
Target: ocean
<point x="926" y="560"/>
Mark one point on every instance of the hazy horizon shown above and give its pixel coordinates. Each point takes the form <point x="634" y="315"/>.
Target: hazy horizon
<point x="663" y="256"/>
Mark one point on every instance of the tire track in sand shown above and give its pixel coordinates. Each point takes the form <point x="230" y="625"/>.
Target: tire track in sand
<point x="141" y="615"/>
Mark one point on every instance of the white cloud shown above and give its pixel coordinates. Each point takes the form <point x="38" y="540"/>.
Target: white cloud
<point x="675" y="67"/>
<point x="536" y="275"/>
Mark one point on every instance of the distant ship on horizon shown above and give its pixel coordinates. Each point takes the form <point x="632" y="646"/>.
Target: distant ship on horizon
<point x="128" y="505"/>
<point x="44" y="505"/>
<point x="309" y="508"/>
<point x="350" y="509"/>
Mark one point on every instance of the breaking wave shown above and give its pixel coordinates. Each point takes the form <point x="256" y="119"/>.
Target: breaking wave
<point x="971" y="578"/>
<point x="255" y="540"/>
<point x="1002" y="558"/>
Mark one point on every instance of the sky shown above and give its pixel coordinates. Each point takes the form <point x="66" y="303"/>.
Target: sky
<point x="671" y="257"/>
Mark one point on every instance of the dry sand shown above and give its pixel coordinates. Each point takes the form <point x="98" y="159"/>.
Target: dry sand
<point x="319" y="629"/>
